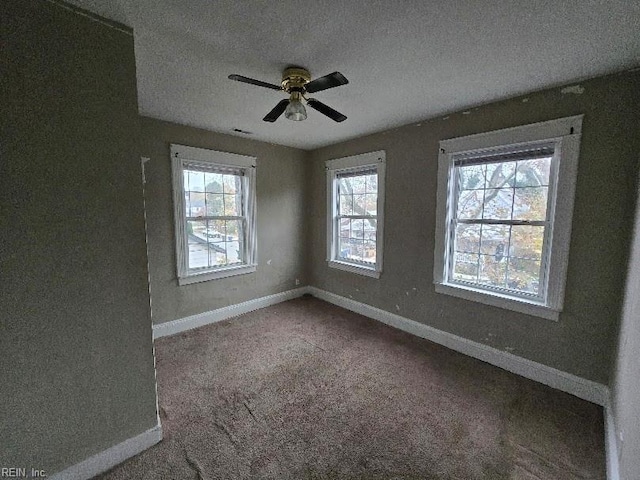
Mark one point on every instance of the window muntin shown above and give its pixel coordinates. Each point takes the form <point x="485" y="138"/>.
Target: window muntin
<point x="214" y="197"/>
<point x="498" y="220"/>
<point x="355" y="213"/>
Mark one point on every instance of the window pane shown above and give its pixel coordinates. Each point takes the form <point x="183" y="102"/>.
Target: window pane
<point x="530" y="203"/>
<point x="526" y="242"/>
<point x="523" y="275"/>
<point x="233" y="244"/>
<point x="232" y="206"/>
<point x="493" y="270"/>
<point x="470" y="204"/>
<point x="372" y="184"/>
<point x="465" y="267"/>
<point x="359" y="205"/>
<point x="214" y="204"/>
<point x="533" y="173"/>
<point x="196" y="204"/>
<point x="471" y="177"/>
<point x="230" y="183"/>
<point x="215" y="231"/>
<point x="345" y="206"/>
<point x="467" y="238"/>
<point x="216" y="234"/>
<point x="213" y="182"/>
<point x="371" y="203"/>
<point x="358" y="183"/>
<point x="195" y="181"/>
<point x="345" y="228"/>
<point x="344" y="186"/>
<point x="369" y="253"/>
<point x="370" y="226"/>
<point x="500" y="175"/>
<point x="498" y="204"/>
<point x="197" y="244"/>
<point x="350" y="249"/>
<point x="495" y="241"/>
<point x="357" y="229"/>
<point x="226" y="242"/>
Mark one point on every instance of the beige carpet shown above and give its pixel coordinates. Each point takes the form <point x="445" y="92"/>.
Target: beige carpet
<point x="307" y="390"/>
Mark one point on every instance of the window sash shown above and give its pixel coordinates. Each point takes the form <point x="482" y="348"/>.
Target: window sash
<point x="242" y="243"/>
<point x="503" y="290"/>
<point x="501" y="155"/>
<point x="336" y="226"/>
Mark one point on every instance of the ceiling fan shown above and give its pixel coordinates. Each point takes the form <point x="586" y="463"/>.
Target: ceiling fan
<point x="296" y="81"/>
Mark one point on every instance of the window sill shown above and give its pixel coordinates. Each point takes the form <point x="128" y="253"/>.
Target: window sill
<point x="222" y="273"/>
<point x="500" y="301"/>
<point x="349" y="267"/>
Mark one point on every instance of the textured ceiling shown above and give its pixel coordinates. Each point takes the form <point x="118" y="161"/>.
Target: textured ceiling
<point x="405" y="60"/>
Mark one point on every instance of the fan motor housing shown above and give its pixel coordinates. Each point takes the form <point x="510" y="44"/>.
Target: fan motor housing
<point x="295" y="78"/>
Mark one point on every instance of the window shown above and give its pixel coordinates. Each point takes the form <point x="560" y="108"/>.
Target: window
<point x="355" y="210"/>
<point x="214" y="199"/>
<point x="502" y="235"/>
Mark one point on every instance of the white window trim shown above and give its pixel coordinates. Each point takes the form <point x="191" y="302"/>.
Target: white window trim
<point x="181" y="154"/>
<point x="566" y="132"/>
<point x="333" y="167"/>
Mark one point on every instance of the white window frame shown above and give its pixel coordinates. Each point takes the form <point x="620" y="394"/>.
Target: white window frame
<point x="362" y="162"/>
<point x="565" y="134"/>
<point x="181" y="156"/>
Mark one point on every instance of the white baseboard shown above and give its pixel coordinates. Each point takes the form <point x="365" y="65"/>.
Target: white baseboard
<point x="111" y="457"/>
<point x="611" y="444"/>
<point x="201" y="319"/>
<point x="566" y="382"/>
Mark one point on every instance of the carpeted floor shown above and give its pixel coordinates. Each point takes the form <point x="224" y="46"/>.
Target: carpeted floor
<point x="307" y="390"/>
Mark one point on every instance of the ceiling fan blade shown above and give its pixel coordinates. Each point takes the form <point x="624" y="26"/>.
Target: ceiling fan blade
<point x="252" y="81"/>
<point x="273" y="115"/>
<point x="334" y="79"/>
<point x="326" y="110"/>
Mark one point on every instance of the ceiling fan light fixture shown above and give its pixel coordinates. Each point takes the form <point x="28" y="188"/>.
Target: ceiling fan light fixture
<point x="295" y="110"/>
<point x="296" y="81"/>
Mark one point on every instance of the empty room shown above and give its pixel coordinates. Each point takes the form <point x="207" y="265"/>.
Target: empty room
<point x="320" y="240"/>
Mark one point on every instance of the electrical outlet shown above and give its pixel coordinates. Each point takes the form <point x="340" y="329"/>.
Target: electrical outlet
<point x="297" y="281"/>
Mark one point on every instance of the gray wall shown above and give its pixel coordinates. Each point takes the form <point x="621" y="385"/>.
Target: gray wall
<point x="626" y="385"/>
<point x="281" y="220"/>
<point x="581" y="342"/>
<point x="75" y="331"/>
